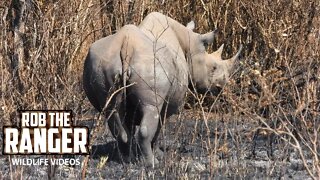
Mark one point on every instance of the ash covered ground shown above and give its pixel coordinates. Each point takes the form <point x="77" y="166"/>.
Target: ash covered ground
<point x="225" y="151"/>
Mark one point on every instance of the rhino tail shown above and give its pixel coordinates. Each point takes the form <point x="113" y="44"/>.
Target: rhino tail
<point x="126" y="54"/>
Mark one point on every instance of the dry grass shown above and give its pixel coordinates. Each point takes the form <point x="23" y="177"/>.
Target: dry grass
<point x="276" y="84"/>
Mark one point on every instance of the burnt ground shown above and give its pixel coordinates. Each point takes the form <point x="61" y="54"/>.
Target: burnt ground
<point x="191" y="152"/>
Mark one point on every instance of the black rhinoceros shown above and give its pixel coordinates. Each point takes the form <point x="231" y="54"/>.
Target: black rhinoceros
<point x="161" y="57"/>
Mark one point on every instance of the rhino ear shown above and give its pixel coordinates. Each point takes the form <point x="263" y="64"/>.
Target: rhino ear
<point x="208" y="37"/>
<point x="191" y="25"/>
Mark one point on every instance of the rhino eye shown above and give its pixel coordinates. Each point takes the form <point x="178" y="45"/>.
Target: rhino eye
<point x="213" y="69"/>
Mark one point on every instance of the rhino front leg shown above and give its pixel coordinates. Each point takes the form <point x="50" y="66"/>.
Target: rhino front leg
<point x="148" y="128"/>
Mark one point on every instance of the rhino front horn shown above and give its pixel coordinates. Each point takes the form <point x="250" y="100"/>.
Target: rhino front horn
<point x="236" y="56"/>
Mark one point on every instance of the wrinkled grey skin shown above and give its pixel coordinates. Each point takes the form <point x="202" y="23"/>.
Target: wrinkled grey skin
<point x="161" y="56"/>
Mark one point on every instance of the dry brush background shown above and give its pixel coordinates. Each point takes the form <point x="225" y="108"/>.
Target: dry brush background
<point x="275" y="87"/>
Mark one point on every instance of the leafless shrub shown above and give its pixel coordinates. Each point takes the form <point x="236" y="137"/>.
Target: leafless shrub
<point x="276" y="84"/>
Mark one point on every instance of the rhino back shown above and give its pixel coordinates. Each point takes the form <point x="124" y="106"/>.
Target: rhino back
<point x="154" y="67"/>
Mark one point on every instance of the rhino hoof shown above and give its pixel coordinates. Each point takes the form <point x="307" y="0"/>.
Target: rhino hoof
<point x="151" y="162"/>
<point x="159" y="153"/>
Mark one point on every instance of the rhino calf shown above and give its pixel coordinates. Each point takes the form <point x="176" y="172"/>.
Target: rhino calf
<point x="161" y="56"/>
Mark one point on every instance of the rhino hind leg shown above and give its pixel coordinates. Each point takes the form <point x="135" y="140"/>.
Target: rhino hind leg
<point x="147" y="131"/>
<point x="123" y="130"/>
<point x="155" y="146"/>
<point x="119" y="131"/>
<point x="131" y="129"/>
<point x="165" y="112"/>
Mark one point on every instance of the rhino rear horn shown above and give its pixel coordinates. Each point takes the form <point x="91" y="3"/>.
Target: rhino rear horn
<point x="208" y="37"/>
<point x="218" y="52"/>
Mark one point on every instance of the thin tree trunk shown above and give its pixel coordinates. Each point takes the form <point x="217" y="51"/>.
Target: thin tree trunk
<point x="18" y="22"/>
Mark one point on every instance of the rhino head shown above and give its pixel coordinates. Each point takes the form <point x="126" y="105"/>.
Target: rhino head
<point x="209" y="72"/>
